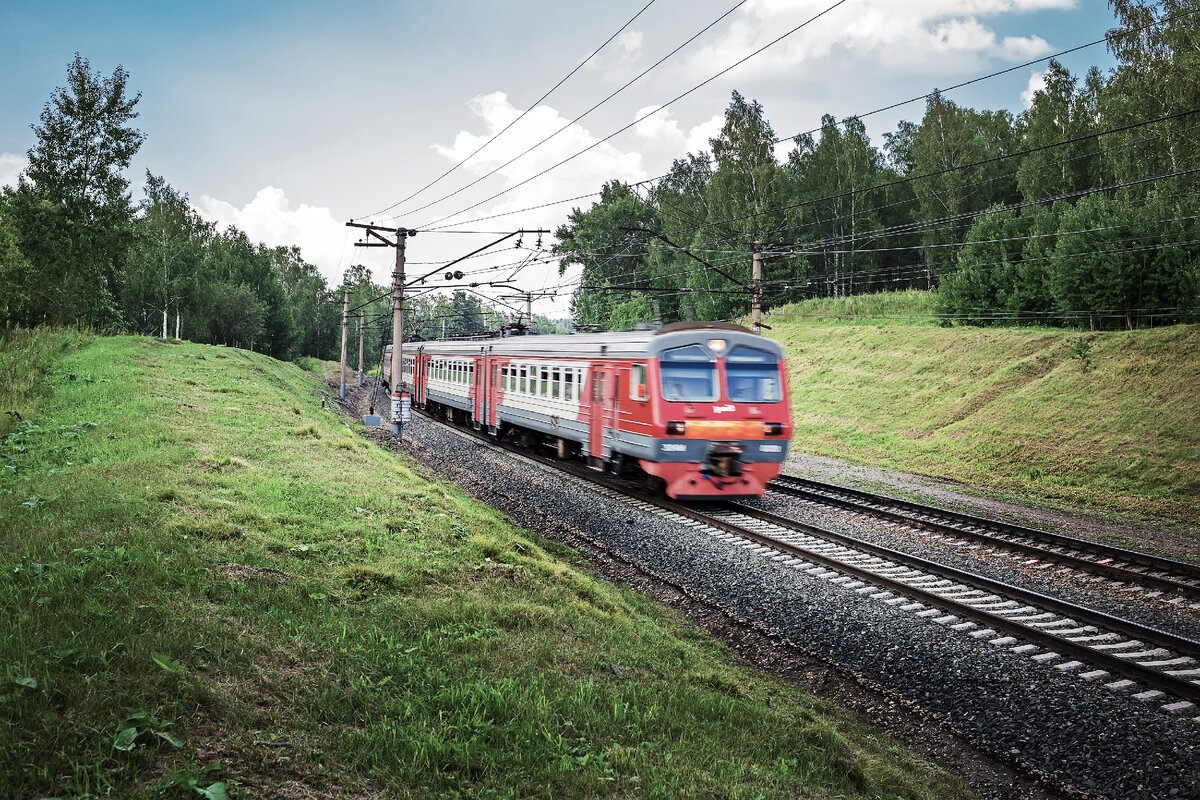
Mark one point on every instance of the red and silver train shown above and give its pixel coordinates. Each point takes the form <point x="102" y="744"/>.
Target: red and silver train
<point x="702" y="407"/>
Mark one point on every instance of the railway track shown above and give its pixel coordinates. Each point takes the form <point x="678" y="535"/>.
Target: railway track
<point x="1155" y="666"/>
<point x="1176" y="581"/>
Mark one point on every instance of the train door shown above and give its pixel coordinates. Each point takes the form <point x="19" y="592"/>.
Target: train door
<point x="479" y="395"/>
<point x="493" y="410"/>
<point x="418" y="377"/>
<point x="604" y="414"/>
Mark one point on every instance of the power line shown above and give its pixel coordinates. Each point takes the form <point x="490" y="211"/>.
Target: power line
<point x="644" y="116"/>
<point x="534" y="105"/>
<point x="629" y="83"/>
<point x="816" y="130"/>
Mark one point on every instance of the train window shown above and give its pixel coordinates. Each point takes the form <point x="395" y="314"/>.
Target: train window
<point x="556" y="384"/>
<point x="689" y="375"/>
<point x="523" y="385"/>
<point x="569" y="384"/>
<point x="597" y="387"/>
<point x="637" y="382"/>
<point x="544" y="383"/>
<point x="752" y="376"/>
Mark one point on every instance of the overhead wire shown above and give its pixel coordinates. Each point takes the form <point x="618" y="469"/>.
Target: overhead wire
<point x="596" y="144"/>
<point x="522" y="115"/>
<point x="622" y="88"/>
<point x="815" y="130"/>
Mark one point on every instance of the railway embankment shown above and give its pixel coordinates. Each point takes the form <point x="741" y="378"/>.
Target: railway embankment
<point x="1107" y="421"/>
<point x="213" y="585"/>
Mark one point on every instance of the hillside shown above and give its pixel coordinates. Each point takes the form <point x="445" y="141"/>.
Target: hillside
<point x="1106" y="419"/>
<point x="212" y="587"/>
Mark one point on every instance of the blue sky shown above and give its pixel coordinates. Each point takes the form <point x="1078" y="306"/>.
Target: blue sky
<point x="288" y="118"/>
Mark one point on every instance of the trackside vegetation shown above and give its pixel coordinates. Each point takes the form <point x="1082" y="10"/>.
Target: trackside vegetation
<point x="1108" y="419"/>
<point x="212" y="588"/>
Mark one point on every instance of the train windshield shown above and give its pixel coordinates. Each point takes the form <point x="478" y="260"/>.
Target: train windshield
<point x="752" y="376"/>
<point x="689" y="375"/>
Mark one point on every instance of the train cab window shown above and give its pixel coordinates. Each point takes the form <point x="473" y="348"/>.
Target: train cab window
<point x="752" y="376"/>
<point x="637" y="382"/>
<point x="689" y="375"/>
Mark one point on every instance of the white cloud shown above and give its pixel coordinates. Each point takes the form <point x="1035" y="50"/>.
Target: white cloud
<point x="916" y="34"/>
<point x="270" y="219"/>
<point x="11" y="166"/>
<point x="630" y="43"/>
<point x="585" y="173"/>
<point x="1037" y="82"/>
<point x="616" y="59"/>
<point x="580" y="176"/>
<point x="662" y="131"/>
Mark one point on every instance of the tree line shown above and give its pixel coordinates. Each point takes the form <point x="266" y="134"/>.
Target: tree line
<point x="76" y="250"/>
<point x="1081" y="210"/>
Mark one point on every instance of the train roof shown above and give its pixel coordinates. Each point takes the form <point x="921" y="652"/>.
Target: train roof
<point x="631" y="344"/>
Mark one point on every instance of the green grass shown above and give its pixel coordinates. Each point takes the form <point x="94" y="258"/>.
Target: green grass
<point x="895" y="308"/>
<point x="1106" y="419"/>
<point x="209" y="585"/>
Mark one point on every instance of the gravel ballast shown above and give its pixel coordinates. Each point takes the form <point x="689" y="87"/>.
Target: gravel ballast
<point x="995" y="717"/>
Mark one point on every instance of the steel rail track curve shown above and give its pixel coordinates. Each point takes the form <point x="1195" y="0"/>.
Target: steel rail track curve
<point x="1168" y="575"/>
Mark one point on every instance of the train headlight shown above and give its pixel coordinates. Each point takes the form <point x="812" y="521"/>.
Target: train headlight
<point x="676" y="428"/>
<point x="773" y="428"/>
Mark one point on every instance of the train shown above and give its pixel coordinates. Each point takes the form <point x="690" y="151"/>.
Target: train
<point x="699" y="409"/>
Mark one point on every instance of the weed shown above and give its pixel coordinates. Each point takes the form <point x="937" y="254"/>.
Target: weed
<point x="309" y="431"/>
<point x="1081" y="351"/>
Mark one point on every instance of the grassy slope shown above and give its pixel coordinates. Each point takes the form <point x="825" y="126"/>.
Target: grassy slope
<point x="191" y="549"/>
<point x="1012" y="408"/>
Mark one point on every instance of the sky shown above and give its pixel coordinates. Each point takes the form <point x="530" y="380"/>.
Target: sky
<point x="288" y="118"/>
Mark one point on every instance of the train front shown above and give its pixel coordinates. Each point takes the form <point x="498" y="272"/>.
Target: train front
<point x="722" y="414"/>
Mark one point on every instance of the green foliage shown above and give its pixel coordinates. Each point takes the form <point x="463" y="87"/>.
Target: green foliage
<point x="71" y="211"/>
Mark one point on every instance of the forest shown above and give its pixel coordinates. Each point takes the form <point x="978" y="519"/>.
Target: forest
<point x="1080" y="211"/>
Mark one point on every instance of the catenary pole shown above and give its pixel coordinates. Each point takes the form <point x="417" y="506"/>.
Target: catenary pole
<point x="756" y="290"/>
<point x="397" y="377"/>
<point x="345" y="324"/>
<point x="360" y="347"/>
